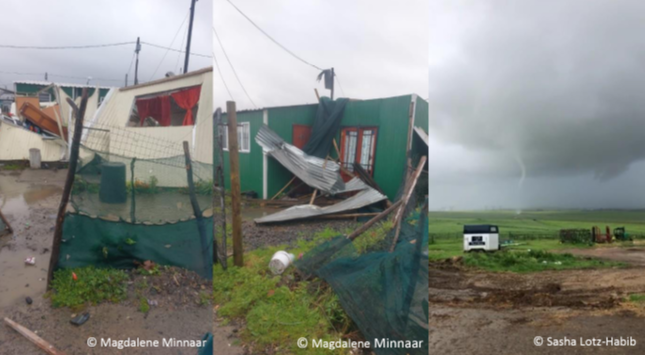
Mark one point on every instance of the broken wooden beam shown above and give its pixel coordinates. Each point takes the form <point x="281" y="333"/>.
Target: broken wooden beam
<point x="69" y="181"/>
<point x="372" y="221"/>
<point x="282" y="189"/>
<point x="32" y="337"/>
<point x="406" y="198"/>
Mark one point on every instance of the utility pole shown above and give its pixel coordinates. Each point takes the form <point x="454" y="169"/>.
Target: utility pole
<point x="332" y="83"/>
<point x="46" y="76"/>
<point x="126" y="79"/>
<point x="136" y="65"/>
<point x="190" y="34"/>
<point x="234" y="169"/>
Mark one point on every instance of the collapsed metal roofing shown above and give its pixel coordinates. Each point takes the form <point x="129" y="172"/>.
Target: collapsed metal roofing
<point x="364" y="198"/>
<point x="320" y="174"/>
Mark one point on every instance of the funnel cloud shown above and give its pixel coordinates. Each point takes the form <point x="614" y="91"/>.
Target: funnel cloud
<point x="534" y="92"/>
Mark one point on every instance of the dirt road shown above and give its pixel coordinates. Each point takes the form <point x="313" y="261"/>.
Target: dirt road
<point x="501" y="313"/>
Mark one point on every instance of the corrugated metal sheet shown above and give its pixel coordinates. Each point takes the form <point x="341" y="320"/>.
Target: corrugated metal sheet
<point x="315" y="172"/>
<point x="361" y="199"/>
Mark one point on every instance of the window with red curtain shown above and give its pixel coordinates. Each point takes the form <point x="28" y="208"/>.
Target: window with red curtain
<point x="187" y="99"/>
<point x="155" y="107"/>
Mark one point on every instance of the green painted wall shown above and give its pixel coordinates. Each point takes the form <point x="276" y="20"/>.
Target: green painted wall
<point x="390" y="115"/>
<point x="28" y="89"/>
<point x="250" y="163"/>
<point x="421" y="119"/>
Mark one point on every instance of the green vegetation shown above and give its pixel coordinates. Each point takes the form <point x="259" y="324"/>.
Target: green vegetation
<point x="91" y="286"/>
<point x="531" y="235"/>
<point x="278" y="310"/>
<point x="447" y="248"/>
<point x="636" y="298"/>
<point x="533" y="223"/>
<point x="532" y="261"/>
<point x="12" y="166"/>
<point x="144" y="307"/>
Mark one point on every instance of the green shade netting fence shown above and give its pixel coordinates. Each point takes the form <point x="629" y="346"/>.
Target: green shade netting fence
<point x="385" y="293"/>
<point x="131" y="202"/>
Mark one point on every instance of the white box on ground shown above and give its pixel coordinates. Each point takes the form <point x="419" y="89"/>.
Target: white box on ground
<point x="481" y="237"/>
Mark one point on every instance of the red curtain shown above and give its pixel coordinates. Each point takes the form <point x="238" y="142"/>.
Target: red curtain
<point x="187" y="99"/>
<point x="156" y="107"/>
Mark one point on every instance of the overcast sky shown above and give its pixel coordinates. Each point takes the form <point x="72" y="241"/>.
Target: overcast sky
<point x="555" y="90"/>
<point x="80" y="22"/>
<point x="377" y="48"/>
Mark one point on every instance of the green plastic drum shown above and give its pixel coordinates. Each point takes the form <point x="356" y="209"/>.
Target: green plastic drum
<point x="113" y="188"/>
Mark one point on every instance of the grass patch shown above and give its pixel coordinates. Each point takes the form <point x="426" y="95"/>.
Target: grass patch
<point x="92" y="286"/>
<point x="278" y="310"/>
<point x="637" y="298"/>
<point x="532" y="261"/>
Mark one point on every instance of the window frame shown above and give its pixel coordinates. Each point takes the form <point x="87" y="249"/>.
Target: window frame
<point x="359" y="147"/>
<point x="244" y="125"/>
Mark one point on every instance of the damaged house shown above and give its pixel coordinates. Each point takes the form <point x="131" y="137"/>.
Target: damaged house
<point x="362" y="146"/>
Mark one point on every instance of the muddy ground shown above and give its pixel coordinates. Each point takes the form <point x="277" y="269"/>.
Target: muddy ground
<point x="29" y="200"/>
<point x="501" y="313"/>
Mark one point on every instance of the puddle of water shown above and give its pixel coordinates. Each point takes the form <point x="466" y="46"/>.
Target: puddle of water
<point x="251" y="213"/>
<point x="31" y="235"/>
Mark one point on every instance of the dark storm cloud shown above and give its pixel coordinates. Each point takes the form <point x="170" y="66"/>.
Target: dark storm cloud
<point x="559" y="86"/>
<point x="78" y="22"/>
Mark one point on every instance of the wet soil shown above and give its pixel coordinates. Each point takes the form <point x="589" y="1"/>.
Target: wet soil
<point x="29" y="199"/>
<point x="262" y="235"/>
<point x="474" y="311"/>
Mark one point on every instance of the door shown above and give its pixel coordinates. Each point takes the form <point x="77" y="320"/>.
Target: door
<point x="301" y="134"/>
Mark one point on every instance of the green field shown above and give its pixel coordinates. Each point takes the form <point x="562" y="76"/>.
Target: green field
<point x="536" y="222"/>
<point x="530" y="230"/>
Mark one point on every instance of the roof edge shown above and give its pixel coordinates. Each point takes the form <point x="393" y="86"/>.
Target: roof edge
<point x="164" y="80"/>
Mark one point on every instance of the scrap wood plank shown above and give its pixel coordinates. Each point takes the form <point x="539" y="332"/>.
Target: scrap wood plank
<point x="372" y="221"/>
<point x="31" y="336"/>
<point x="406" y="199"/>
<point x="285" y="186"/>
<point x="365" y="176"/>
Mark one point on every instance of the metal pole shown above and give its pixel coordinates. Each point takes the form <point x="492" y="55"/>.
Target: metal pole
<point x="190" y="34"/>
<point x="136" y="65"/>
<point x="126" y="79"/>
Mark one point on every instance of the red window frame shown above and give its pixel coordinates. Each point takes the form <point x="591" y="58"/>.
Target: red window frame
<point x="360" y="132"/>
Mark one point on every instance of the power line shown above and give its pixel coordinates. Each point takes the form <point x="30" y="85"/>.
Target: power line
<point x="175" y="50"/>
<point x="66" y="47"/>
<point x="271" y="38"/>
<point x="222" y="76"/>
<point x="231" y="64"/>
<point x="168" y="50"/>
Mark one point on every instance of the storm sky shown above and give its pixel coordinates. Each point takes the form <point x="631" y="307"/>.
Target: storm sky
<point x="79" y="22"/>
<point x="377" y="48"/>
<point x="554" y="91"/>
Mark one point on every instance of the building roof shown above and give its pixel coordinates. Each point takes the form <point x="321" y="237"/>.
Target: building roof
<point x="67" y="85"/>
<point x="168" y="79"/>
